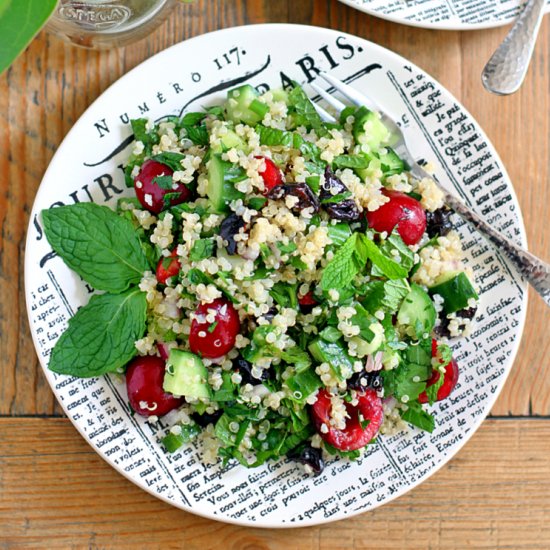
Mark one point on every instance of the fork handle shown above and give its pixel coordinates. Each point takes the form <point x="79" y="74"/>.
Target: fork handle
<point x="534" y="270"/>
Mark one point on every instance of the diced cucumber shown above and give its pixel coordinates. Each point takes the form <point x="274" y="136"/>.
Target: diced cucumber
<point x="417" y="312"/>
<point x="391" y="163"/>
<point x="186" y="375"/>
<point x="375" y="135"/>
<point x="242" y="105"/>
<point x="222" y="177"/>
<point x="334" y="354"/>
<point x="230" y="140"/>
<point x="456" y="290"/>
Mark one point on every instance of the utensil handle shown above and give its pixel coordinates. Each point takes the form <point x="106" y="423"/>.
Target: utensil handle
<point x="535" y="271"/>
<point x="507" y="67"/>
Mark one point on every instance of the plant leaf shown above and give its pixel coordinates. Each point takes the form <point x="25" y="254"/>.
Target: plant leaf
<point x="102" y="247"/>
<point x="100" y="337"/>
<point x="19" y="23"/>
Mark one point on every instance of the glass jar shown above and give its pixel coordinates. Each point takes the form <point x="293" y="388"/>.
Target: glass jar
<point x="107" y="23"/>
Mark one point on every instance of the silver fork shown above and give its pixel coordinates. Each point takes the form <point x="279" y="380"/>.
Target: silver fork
<point x="534" y="270"/>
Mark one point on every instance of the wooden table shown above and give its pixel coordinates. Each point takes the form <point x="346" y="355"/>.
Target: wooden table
<point x="56" y="492"/>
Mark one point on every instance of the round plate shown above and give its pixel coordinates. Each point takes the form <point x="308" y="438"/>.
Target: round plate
<point x="450" y="15"/>
<point x="198" y="73"/>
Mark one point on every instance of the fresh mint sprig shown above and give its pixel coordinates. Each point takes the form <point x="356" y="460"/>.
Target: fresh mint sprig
<point x="101" y="246"/>
<point x="100" y="337"/>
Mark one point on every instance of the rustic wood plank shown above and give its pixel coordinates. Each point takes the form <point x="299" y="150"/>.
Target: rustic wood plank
<point x="54" y="488"/>
<point x="50" y="86"/>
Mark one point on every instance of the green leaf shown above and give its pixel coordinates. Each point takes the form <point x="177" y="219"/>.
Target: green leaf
<point x="192" y="119"/>
<point x="202" y="248"/>
<point x="173" y="442"/>
<point x="198" y="134"/>
<point x="307" y="115"/>
<point x="337" y="198"/>
<point x="351" y="161"/>
<point x="367" y="249"/>
<point x="341" y="270"/>
<point x="272" y="137"/>
<point x="139" y="127"/>
<point x="431" y="391"/>
<point x="418" y="417"/>
<point x="100" y="337"/>
<point x="172" y="160"/>
<point x="20" y="20"/>
<point x="164" y="182"/>
<point x="394" y="245"/>
<point x="102" y="247"/>
<point x="303" y="384"/>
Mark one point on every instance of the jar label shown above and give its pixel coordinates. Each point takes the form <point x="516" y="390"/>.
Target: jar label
<point x="99" y="17"/>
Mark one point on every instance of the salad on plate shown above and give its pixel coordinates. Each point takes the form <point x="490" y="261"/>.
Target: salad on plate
<point x="277" y="286"/>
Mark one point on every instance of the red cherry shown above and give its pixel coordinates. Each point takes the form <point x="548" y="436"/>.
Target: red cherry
<point x="168" y="267"/>
<point x="402" y="211"/>
<point x="354" y="436"/>
<point x="271" y="175"/>
<point x="307" y="299"/>
<point x="144" y="378"/>
<point x="449" y="381"/>
<point x="150" y="194"/>
<point x="216" y="338"/>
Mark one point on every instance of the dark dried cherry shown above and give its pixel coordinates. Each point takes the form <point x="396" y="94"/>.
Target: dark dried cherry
<point x="244" y="368"/>
<point x="363" y="380"/>
<point x="306" y="197"/>
<point x="230" y="227"/>
<point x="438" y="222"/>
<point x="310" y="456"/>
<point x="344" y="210"/>
<point x="205" y="419"/>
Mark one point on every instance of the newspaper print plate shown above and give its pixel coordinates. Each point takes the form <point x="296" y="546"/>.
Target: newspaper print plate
<point x="452" y="15"/>
<point x="197" y="73"/>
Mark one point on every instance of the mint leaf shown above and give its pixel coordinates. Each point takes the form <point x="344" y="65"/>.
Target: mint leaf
<point x="307" y="115"/>
<point x="164" y="182"/>
<point x="19" y="22"/>
<point x="394" y="245"/>
<point x="367" y="249"/>
<point x="273" y="137"/>
<point x="172" y="160"/>
<point x="431" y="391"/>
<point x="173" y="442"/>
<point x="192" y="119"/>
<point x="337" y="198"/>
<point x="418" y="417"/>
<point x="394" y="292"/>
<point x="351" y="161"/>
<point x="198" y="134"/>
<point x="102" y="247"/>
<point x="202" y="248"/>
<point x="345" y="265"/>
<point x="100" y="337"/>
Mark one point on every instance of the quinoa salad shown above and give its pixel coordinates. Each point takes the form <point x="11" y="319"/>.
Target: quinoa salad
<point x="277" y="286"/>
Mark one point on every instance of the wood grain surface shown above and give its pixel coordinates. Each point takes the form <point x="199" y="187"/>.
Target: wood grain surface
<point x="55" y="492"/>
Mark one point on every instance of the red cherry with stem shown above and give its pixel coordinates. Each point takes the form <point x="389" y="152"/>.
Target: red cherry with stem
<point x="402" y="212"/>
<point x="144" y="379"/>
<point x="363" y="423"/>
<point x="216" y="337"/>
<point x="151" y="187"/>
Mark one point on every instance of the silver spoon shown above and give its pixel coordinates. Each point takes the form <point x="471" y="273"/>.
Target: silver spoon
<point x="507" y="67"/>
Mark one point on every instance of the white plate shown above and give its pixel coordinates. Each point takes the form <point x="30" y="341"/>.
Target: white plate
<point x="198" y="72"/>
<point x="450" y="15"/>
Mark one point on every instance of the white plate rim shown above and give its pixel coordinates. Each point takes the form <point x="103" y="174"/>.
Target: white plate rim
<point x="434" y="26"/>
<point x="490" y="401"/>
